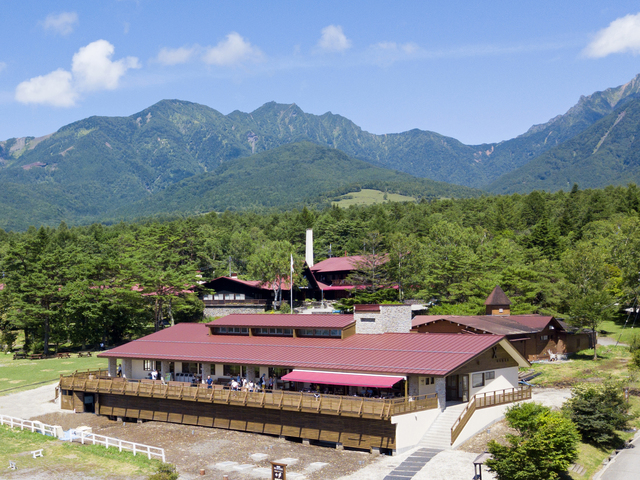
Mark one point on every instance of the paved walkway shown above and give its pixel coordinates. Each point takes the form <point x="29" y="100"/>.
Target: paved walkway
<point x="624" y="466"/>
<point x="413" y="464"/>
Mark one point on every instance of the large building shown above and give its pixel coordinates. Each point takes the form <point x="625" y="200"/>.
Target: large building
<point x="534" y="336"/>
<point x="361" y="380"/>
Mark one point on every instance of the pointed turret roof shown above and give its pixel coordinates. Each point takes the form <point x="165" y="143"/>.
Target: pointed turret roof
<point x="497" y="297"/>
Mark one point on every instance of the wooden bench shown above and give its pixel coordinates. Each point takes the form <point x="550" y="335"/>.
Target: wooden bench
<point x="63" y="355"/>
<point x="87" y="354"/>
<point x="17" y="356"/>
<point x="12" y="465"/>
<point x="37" y="453"/>
<point x="36" y="356"/>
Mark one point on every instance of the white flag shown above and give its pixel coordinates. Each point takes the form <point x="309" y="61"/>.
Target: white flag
<point x="292" y="265"/>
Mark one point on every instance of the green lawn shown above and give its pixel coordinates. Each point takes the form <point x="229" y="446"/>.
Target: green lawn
<point x="61" y="457"/>
<point x="617" y="331"/>
<point x="612" y="361"/>
<point x="369" y="197"/>
<point x="18" y="375"/>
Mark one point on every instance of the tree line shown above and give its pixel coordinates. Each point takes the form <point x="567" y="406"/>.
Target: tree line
<point x="572" y="254"/>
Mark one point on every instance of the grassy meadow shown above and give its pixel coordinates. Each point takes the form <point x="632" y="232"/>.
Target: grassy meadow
<point x="61" y="457"/>
<point x="370" y="197"/>
<point x="19" y="375"/>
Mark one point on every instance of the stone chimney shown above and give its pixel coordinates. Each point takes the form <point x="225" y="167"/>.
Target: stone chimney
<point x="308" y="255"/>
<point x="392" y="318"/>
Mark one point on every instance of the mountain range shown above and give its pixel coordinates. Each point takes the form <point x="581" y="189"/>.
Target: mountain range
<point x="182" y="157"/>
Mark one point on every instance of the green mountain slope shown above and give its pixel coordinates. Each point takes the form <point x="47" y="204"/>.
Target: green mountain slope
<point x="607" y="153"/>
<point x="286" y="176"/>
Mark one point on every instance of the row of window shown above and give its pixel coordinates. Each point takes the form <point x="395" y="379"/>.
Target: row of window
<point x="286" y="332"/>
<point x="225" y="296"/>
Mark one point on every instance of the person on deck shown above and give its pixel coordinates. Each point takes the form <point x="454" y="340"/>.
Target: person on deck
<point x="119" y="374"/>
<point x="209" y="382"/>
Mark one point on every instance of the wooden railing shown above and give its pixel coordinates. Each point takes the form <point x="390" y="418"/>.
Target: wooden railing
<point x="377" y="408"/>
<point x="488" y="399"/>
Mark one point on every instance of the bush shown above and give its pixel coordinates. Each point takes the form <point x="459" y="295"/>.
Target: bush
<point x="598" y="410"/>
<point x="545" y="447"/>
<point x="635" y="359"/>
<point x="165" y="471"/>
<point x="634" y="344"/>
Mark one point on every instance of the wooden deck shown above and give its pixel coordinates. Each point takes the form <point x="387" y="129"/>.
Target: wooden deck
<point x="373" y="408"/>
<point x="362" y="423"/>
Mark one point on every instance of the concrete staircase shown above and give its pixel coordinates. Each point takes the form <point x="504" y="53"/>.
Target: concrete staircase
<point x="439" y="434"/>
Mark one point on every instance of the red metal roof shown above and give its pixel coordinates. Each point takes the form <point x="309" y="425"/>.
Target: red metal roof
<point x="396" y="353"/>
<point x="337" y="264"/>
<point x="350" y="379"/>
<point x="283" y="320"/>
<point x="495" y="324"/>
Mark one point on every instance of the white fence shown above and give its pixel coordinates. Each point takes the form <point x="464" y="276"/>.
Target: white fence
<point x="39" y="427"/>
<point x="136" y="448"/>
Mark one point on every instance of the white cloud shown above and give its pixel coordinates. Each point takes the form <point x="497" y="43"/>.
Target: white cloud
<point x="54" y="89"/>
<point x="333" y="39"/>
<point x="91" y="69"/>
<point x="62" y="23"/>
<point x="622" y="35"/>
<point x="174" y="56"/>
<point x="232" y="51"/>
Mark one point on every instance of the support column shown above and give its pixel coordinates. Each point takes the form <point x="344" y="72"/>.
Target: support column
<point x="164" y="368"/>
<point x="251" y="373"/>
<point x="127" y="368"/>
<point x="113" y="367"/>
<point x="206" y="371"/>
<point x="441" y="390"/>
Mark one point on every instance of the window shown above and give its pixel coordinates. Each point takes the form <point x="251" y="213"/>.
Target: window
<point x="335" y="333"/>
<point x="218" y="296"/>
<point x="228" y="296"/>
<point x="231" y="370"/>
<point x="321" y="332"/>
<point x="192" y="368"/>
<point x="544" y="337"/>
<point x="477" y="380"/>
<point x="149" y="365"/>
<point x="288" y="332"/>
<point x="489" y="375"/>
<point x="239" y="296"/>
<point x="305" y="332"/>
<point x="208" y="297"/>
<point x="367" y="319"/>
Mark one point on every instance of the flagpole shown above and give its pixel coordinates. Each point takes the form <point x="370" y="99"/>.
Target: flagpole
<point x="291" y="287"/>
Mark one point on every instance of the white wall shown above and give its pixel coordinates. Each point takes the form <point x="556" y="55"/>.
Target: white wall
<point x="411" y="427"/>
<point x="505" y="378"/>
<point x="137" y="367"/>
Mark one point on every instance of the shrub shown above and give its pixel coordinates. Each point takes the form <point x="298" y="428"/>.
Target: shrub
<point x="634" y="344"/>
<point x="545" y="447"/>
<point x="165" y="471"/>
<point x="598" y="410"/>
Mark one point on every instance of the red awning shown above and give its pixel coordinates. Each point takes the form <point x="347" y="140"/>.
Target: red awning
<point x="348" y="379"/>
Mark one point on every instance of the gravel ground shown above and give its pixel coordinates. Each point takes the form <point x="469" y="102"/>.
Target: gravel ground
<point x="195" y="448"/>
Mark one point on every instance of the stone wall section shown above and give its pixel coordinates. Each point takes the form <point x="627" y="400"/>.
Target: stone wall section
<point x="389" y="319"/>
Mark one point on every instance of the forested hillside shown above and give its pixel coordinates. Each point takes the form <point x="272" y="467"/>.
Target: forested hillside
<point x="103" y="168"/>
<point x="570" y="254"/>
<point x="607" y="152"/>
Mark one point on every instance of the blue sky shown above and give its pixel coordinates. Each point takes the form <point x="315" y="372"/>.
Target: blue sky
<point x="475" y="71"/>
